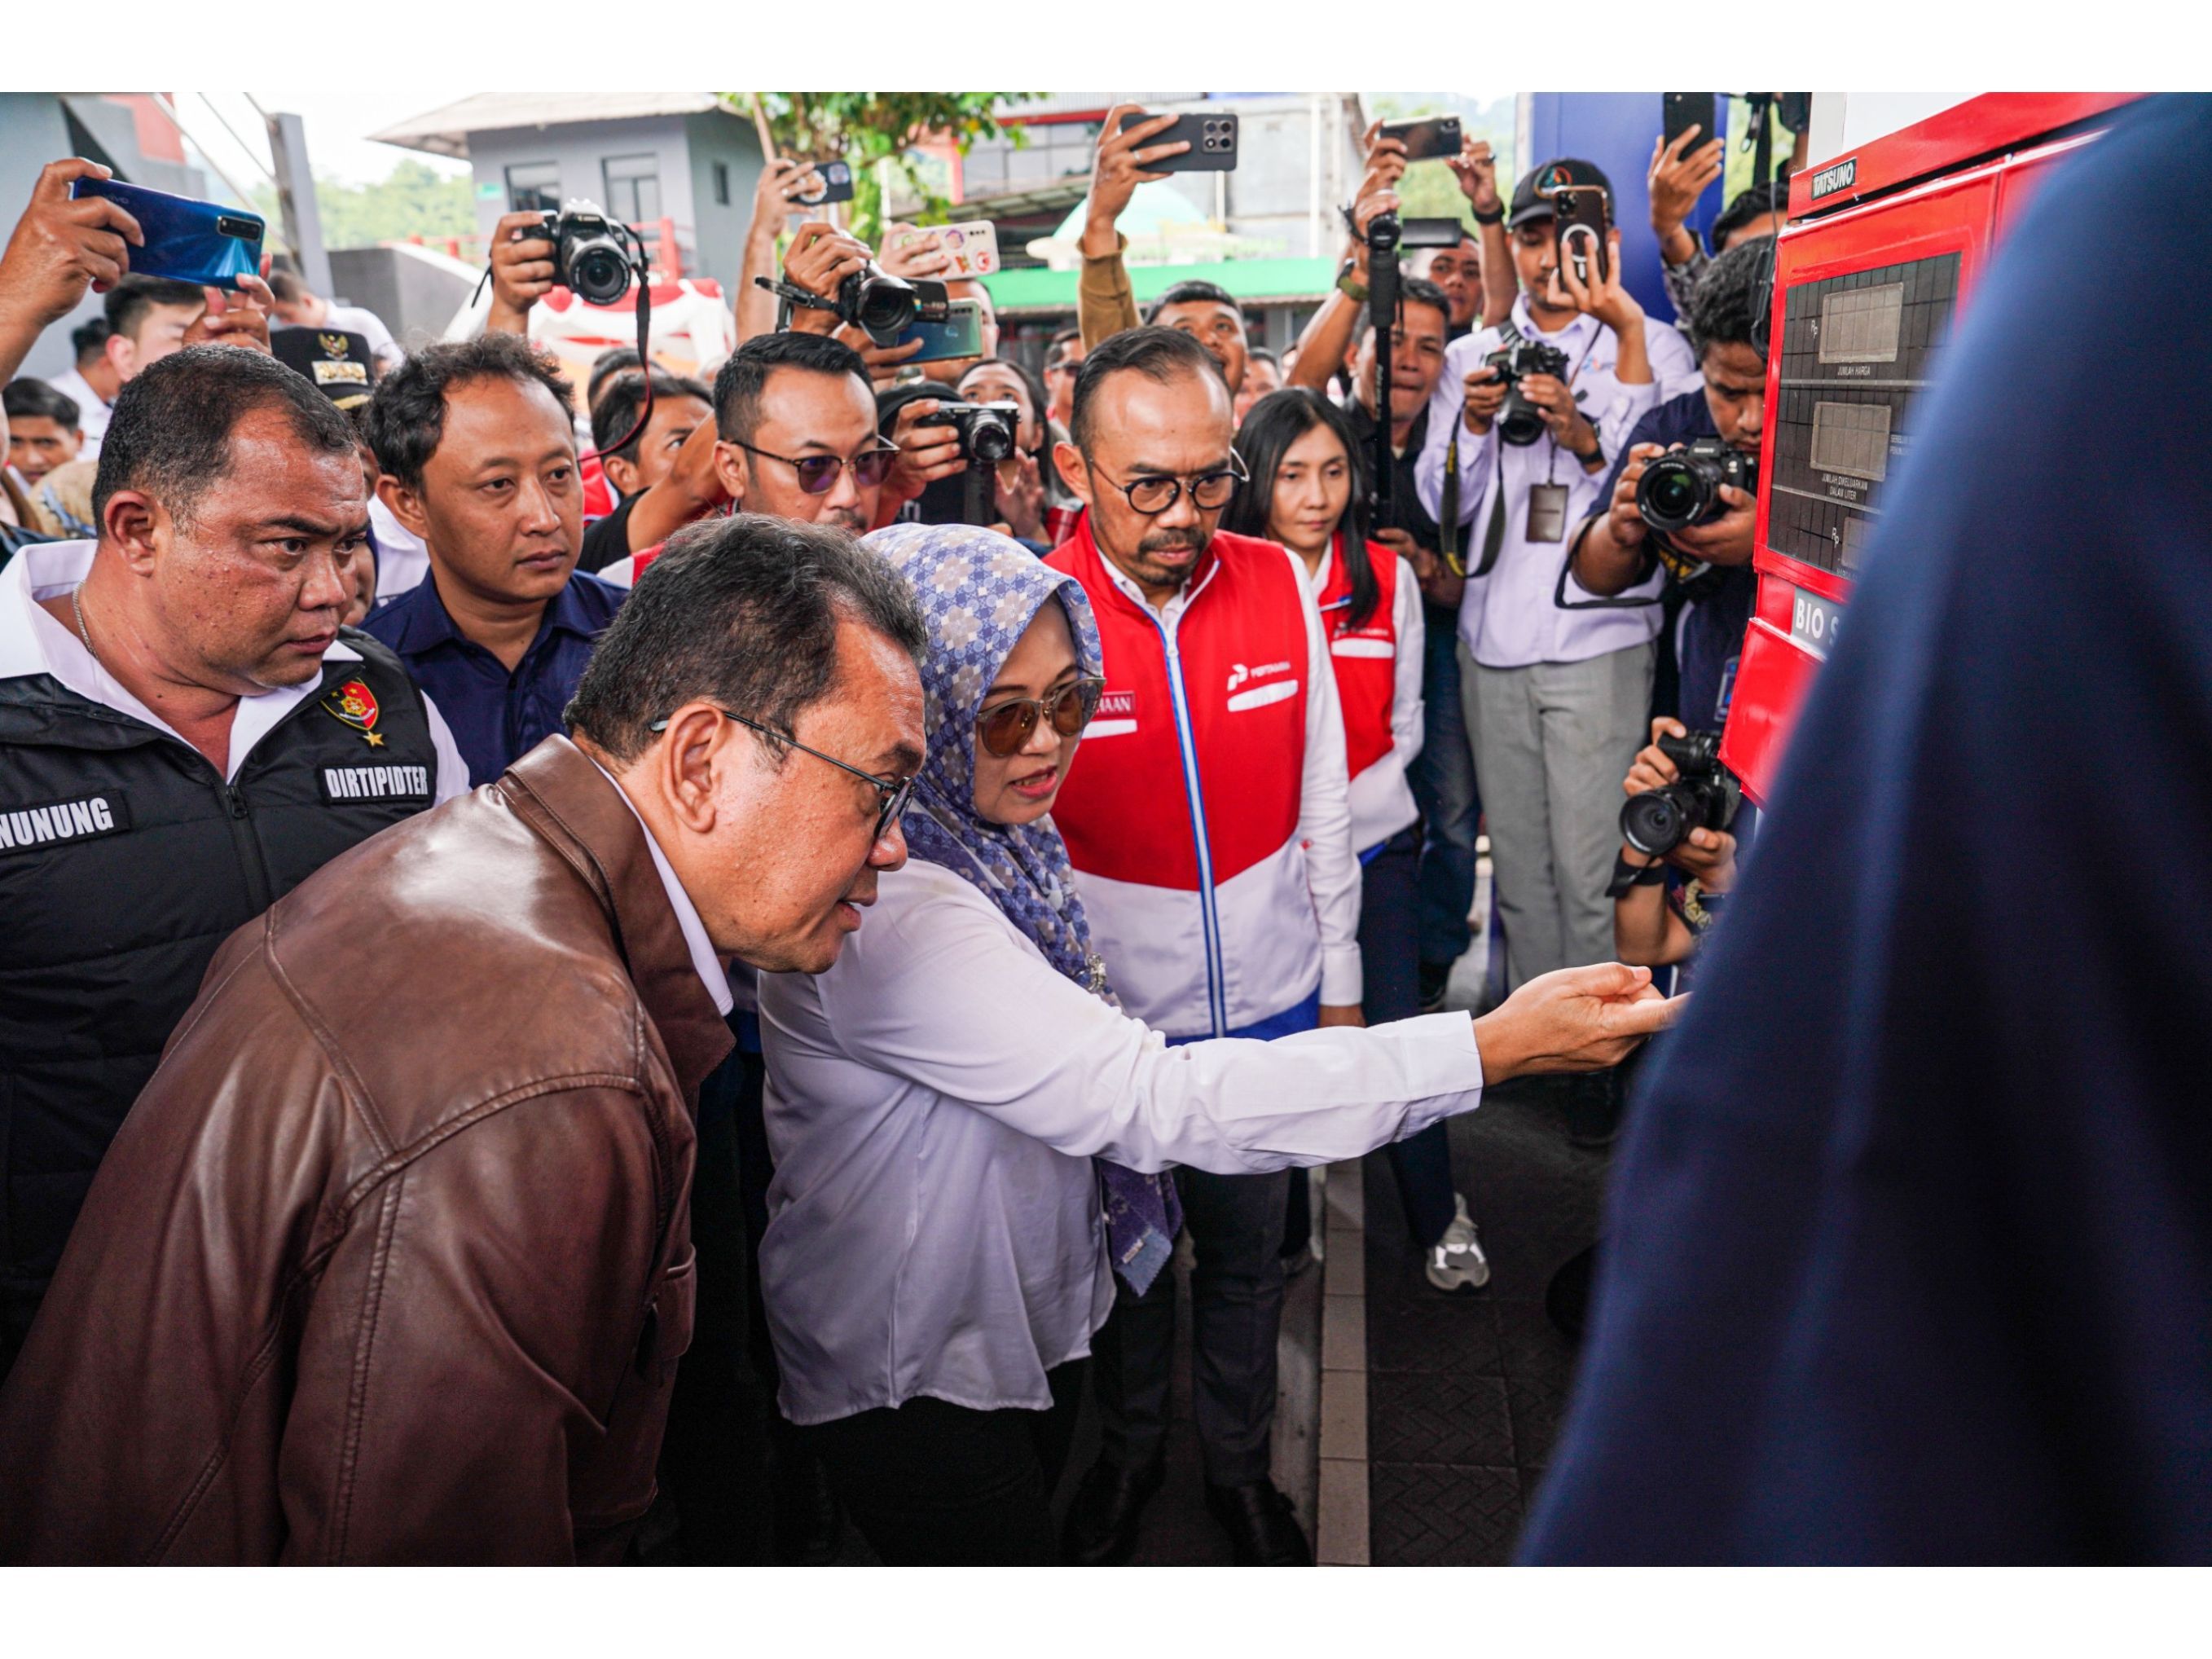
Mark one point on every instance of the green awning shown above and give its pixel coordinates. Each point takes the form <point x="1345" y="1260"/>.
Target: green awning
<point x="1253" y="280"/>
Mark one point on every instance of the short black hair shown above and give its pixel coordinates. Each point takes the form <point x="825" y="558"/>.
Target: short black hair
<point x="620" y="360"/>
<point x="1260" y="354"/>
<point x="616" y="411"/>
<point x="744" y="374"/>
<point x="1192" y="292"/>
<point x="170" y="433"/>
<point x="129" y="299"/>
<point x="743" y="611"/>
<point x="1158" y="353"/>
<point x="27" y="399"/>
<point x="286" y="285"/>
<point x="1726" y="300"/>
<point x="1413" y="291"/>
<point x="407" y="415"/>
<point x="1753" y="203"/>
<point x="89" y="340"/>
<point x="1271" y="427"/>
<point x="1056" y="356"/>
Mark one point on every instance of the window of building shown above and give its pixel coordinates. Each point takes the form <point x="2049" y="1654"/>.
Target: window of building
<point x="534" y="187"/>
<point x="722" y="183"/>
<point x="634" y="188"/>
<point x="1055" y="151"/>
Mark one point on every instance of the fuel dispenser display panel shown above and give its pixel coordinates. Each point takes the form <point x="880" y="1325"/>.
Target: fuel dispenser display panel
<point x="1855" y="349"/>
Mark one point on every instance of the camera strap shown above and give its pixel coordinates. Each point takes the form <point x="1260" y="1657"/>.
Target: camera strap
<point x="1493" y="535"/>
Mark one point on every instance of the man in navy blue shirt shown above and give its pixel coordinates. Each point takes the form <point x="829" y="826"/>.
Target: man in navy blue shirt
<point x="1615" y="547"/>
<point x="1910" y="1248"/>
<point x="478" y="454"/>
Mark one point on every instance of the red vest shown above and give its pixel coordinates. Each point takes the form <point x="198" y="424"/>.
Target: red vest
<point x="1365" y="657"/>
<point x="1193" y="769"/>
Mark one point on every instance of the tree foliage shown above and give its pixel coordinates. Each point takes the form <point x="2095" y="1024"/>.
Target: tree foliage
<point x="415" y="199"/>
<point x="876" y="131"/>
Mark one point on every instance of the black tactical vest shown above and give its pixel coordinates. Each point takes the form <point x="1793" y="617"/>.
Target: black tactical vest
<point x="124" y="861"/>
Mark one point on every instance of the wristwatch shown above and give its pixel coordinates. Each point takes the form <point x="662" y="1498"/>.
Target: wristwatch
<point x="1348" y="284"/>
<point x="1496" y="215"/>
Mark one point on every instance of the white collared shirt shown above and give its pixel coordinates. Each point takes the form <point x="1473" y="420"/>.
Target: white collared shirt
<point x="92" y="412"/>
<point x="704" y="962"/>
<point x="934" y="1101"/>
<point x="402" y="560"/>
<point x="1510" y="618"/>
<point x="33" y="643"/>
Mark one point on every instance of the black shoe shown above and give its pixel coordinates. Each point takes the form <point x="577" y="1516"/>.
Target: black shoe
<point x="809" y="1524"/>
<point x="1260" y="1524"/>
<point x="1101" y="1522"/>
<point x="1434" y="977"/>
<point x="1594" y="1109"/>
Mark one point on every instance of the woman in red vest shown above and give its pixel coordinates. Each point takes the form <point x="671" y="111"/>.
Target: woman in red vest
<point x="1309" y="491"/>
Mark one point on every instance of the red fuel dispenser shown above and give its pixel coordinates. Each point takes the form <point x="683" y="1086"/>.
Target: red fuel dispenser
<point x="1883" y="244"/>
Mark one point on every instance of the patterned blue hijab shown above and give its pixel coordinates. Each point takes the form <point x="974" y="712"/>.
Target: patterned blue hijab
<point x="980" y="592"/>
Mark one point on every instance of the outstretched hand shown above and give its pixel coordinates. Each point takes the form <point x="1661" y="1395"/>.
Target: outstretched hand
<point x="1578" y="1019"/>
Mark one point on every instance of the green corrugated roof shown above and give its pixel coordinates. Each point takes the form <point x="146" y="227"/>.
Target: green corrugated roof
<point x="1248" y="279"/>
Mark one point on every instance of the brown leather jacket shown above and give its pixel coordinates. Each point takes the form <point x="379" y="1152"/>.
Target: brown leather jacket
<point x="392" y="1261"/>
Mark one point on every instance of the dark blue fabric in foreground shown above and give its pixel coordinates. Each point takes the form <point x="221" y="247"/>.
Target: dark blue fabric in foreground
<point x="1909" y="1256"/>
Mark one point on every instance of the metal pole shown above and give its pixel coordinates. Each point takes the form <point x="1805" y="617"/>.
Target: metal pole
<point x="1313" y="178"/>
<point x="295" y="196"/>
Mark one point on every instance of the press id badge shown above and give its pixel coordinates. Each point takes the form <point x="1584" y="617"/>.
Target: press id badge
<point x="1547" y="512"/>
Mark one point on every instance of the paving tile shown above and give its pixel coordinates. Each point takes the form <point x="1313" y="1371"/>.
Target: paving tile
<point x="1456" y="1333"/>
<point x="1438" y="1417"/>
<point x="1343" y="1263"/>
<point x="1343" y="1333"/>
<point x="1344" y="1415"/>
<point x="1441" y="1515"/>
<point x="1342" y="1541"/>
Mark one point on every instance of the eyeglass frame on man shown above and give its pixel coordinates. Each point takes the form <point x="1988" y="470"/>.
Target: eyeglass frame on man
<point x="798" y="463"/>
<point x="897" y="793"/>
<point x="1234" y="472"/>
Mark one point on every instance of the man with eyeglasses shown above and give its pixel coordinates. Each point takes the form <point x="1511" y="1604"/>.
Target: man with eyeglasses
<point x="1207" y="819"/>
<point x="392" y="1260"/>
<point x="477" y="457"/>
<point x="793" y="436"/>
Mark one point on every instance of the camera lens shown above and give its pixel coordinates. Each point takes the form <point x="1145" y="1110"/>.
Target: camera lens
<point x="1653" y="823"/>
<point x="1519" y="421"/>
<point x="1674" y="493"/>
<point x="885" y="307"/>
<point x="991" y="439"/>
<point x="599" y="274"/>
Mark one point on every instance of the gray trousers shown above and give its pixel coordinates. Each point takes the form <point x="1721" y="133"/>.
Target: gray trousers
<point x="1551" y="744"/>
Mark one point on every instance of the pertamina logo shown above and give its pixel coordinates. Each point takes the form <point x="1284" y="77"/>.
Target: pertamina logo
<point x="1256" y="696"/>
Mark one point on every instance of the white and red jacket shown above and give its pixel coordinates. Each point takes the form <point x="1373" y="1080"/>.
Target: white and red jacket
<point x="624" y="573"/>
<point x="1206" y="813"/>
<point x="1378" y="685"/>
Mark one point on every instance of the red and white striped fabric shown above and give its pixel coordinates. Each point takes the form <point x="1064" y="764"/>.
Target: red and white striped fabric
<point x="1205" y="812"/>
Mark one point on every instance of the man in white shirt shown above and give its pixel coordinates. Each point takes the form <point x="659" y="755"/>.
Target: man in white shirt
<point x="91" y="386"/>
<point x="1556" y="697"/>
<point x="299" y="306"/>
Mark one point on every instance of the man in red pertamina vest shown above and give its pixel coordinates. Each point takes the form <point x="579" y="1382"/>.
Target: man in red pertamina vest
<point x="1208" y="823"/>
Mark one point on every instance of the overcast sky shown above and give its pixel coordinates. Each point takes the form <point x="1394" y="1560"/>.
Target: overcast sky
<point x="338" y="123"/>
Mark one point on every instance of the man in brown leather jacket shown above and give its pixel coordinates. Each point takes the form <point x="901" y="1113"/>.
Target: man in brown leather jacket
<point x="392" y="1261"/>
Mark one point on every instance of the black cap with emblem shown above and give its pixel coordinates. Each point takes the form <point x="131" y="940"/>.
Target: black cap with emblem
<point x="1531" y="197"/>
<point x="337" y="362"/>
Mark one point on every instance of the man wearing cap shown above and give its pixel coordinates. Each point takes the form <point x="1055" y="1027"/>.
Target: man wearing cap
<point x="1556" y="697"/>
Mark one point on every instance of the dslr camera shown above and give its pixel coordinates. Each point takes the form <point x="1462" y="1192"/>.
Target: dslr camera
<point x="1704" y="796"/>
<point x="1520" y="423"/>
<point x="985" y="430"/>
<point x="885" y="307"/>
<point x="594" y="256"/>
<point x="1683" y="486"/>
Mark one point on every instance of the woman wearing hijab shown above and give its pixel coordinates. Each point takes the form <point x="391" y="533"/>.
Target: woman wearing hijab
<point x="1309" y="491"/>
<point x="971" y="1138"/>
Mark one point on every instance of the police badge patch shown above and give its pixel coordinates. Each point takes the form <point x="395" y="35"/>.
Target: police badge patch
<point x="355" y="704"/>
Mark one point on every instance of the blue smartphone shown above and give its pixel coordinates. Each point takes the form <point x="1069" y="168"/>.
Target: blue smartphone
<point x="960" y="335"/>
<point x="186" y="241"/>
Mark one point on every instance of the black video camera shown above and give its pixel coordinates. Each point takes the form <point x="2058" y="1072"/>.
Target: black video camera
<point x="594" y="256"/>
<point x="1704" y="796"/>
<point x="885" y="307"/>
<point x="1683" y="487"/>
<point x="985" y="430"/>
<point x="1520" y="423"/>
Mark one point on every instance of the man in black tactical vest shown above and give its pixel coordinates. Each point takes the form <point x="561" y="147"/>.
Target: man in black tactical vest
<point x="187" y="733"/>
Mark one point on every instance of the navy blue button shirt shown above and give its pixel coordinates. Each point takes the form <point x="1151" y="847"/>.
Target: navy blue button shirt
<point x="497" y="717"/>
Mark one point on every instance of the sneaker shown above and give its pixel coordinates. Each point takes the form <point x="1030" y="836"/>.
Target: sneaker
<point x="1456" y="1264"/>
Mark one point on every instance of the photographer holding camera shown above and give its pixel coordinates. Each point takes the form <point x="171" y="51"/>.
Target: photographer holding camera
<point x="1617" y="547"/>
<point x="1667" y="892"/>
<point x="1521" y="424"/>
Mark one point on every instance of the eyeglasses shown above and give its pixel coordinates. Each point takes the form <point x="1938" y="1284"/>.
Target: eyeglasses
<point x="895" y="792"/>
<point x="1154" y="495"/>
<point x="1004" y="729"/>
<point x="818" y="474"/>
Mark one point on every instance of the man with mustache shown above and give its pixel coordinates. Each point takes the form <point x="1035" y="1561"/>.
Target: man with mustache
<point x="1208" y="824"/>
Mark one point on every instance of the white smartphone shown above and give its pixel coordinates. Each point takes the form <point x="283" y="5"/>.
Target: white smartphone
<point x="972" y="248"/>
